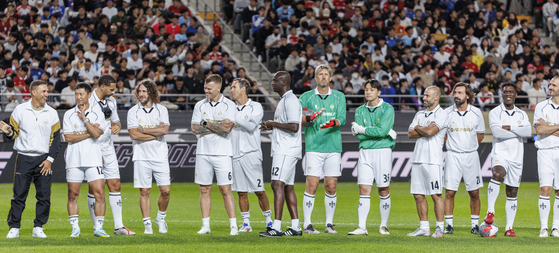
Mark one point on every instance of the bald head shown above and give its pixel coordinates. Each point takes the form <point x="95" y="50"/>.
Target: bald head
<point x="281" y="82"/>
<point x="434" y="90"/>
<point x="284" y="76"/>
<point x="431" y="97"/>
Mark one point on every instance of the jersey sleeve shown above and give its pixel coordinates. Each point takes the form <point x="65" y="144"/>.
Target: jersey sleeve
<point x="440" y="120"/>
<point x="480" y="129"/>
<point x="196" y="115"/>
<point x="164" y="116"/>
<point x="230" y="113"/>
<point x="132" y="118"/>
<point x="341" y="114"/>
<point x="538" y="114"/>
<point x="67" y="125"/>
<point x="414" y="122"/>
<point x="114" y="116"/>
<point x="294" y="112"/>
<point x="494" y="119"/>
<point x="254" y="120"/>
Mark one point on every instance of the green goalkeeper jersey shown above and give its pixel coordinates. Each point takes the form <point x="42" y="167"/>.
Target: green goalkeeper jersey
<point x="327" y="140"/>
<point x="378" y="120"/>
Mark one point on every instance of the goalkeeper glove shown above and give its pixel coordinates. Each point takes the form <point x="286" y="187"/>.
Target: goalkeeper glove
<point x="333" y="122"/>
<point x="392" y="134"/>
<point x="310" y="117"/>
<point x="357" y="129"/>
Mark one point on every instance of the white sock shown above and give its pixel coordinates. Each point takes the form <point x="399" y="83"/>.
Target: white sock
<point x="510" y="208"/>
<point x="91" y="207"/>
<point x="295" y="224"/>
<point x="268" y="216"/>
<point x="449" y="220"/>
<point x="384" y="205"/>
<point x="492" y="194"/>
<point x="363" y="210"/>
<point x="475" y="220"/>
<point x="161" y="215"/>
<point x="246" y="218"/>
<point x="99" y="220"/>
<point x="424" y="225"/>
<point x="74" y="221"/>
<point x="116" y="206"/>
<point x="206" y="222"/>
<point x="330" y="206"/>
<point x="277" y="225"/>
<point x="147" y="222"/>
<point x="556" y="213"/>
<point x="308" y="204"/>
<point x="233" y="222"/>
<point x="439" y="224"/>
<point x="543" y="204"/>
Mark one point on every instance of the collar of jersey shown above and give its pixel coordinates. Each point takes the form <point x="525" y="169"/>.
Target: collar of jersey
<point x="455" y="108"/>
<point x="219" y="101"/>
<point x="318" y="93"/>
<point x="505" y="109"/>
<point x="30" y="107"/>
<point x="552" y="104"/>
<point x="378" y="105"/>
<point x="286" y="93"/>
<point x="429" y="112"/>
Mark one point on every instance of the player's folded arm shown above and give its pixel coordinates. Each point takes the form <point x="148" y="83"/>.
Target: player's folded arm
<point x="545" y="129"/>
<point x="501" y="133"/>
<point x="136" y="134"/>
<point x="522" y="131"/>
<point x="157" y="131"/>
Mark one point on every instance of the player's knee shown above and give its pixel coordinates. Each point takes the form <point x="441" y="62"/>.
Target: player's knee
<point x="73" y="196"/>
<point x="557" y="193"/>
<point x="144" y="193"/>
<point x="277" y="185"/>
<point x="258" y="194"/>
<point x="245" y="194"/>
<point x="474" y="195"/>
<point x="205" y="189"/>
<point x="449" y="194"/>
<point x="418" y="197"/>
<point x="165" y="193"/>
<point x="383" y="191"/>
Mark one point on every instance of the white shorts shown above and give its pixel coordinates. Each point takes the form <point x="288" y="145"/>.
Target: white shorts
<point x="328" y="163"/>
<point x="247" y="174"/>
<point x="206" y="165"/>
<point x="513" y="171"/>
<point x="79" y="174"/>
<point x="143" y="169"/>
<point x="548" y="167"/>
<point x="110" y="166"/>
<point x="426" y="179"/>
<point x="283" y="169"/>
<point x="374" y="165"/>
<point x="462" y="165"/>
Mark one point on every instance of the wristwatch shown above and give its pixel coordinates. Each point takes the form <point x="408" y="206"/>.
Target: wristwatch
<point x="205" y="124"/>
<point x="85" y="121"/>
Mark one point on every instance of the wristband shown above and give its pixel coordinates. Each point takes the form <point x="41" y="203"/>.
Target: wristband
<point x="85" y="121"/>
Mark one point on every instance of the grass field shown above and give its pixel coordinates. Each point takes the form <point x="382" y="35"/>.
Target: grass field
<point x="184" y="220"/>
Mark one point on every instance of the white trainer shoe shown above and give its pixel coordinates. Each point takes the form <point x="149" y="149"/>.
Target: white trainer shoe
<point x="234" y="230"/>
<point x="420" y="232"/>
<point x="162" y="226"/>
<point x="543" y="232"/>
<point x="13" y="233"/>
<point x="383" y="230"/>
<point x="148" y="230"/>
<point x="555" y="232"/>
<point x="245" y="228"/>
<point x="204" y="230"/>
<point x="359" y="231"/>
<point x="38" y="232"/>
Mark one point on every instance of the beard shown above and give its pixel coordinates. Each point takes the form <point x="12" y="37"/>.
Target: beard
<point x="459" y="102"/>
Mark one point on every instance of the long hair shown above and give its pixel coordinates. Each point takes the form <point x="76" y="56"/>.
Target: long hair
<point x="469" y="91"/>
<point x="153" y="92"/>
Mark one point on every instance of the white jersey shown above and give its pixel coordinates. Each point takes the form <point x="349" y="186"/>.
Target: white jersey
<point x="105" y="140"/>
<point x="156" y="149"/>
<point x="214" y="144"/>
<point x="429" y="150"/>
<point x="462" y="129"/>
<point x="245" y="135"/>
<point x="87" y="152"/>
<point x="508" y="145"/>
<point x="286" y="142"/>
<point x="549" y="112"/>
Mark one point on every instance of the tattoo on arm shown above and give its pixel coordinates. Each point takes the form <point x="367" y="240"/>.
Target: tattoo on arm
<point x="221" y="128"/>
<point x="198" y="130"/>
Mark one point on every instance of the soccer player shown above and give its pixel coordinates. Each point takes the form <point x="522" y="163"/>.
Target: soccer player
<point x="429" y="128"/>
<point x="373" y="127"/>
<point x="465" y="129"/>
<point x="508" y="125"/>
<point x="148" y="123"/>
<point x="323" y="146"/>
<point x="546" y="122"/>
<point x="212" y="120"/>
<point x="102" y="97"/>
<point x="83" y="157"/>
<point x="35" y="127"/>
<point x="247" y="153"/>
<point x="286" y="150"/>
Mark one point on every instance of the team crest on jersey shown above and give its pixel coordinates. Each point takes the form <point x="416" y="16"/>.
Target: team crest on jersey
<point x="139" y="120"/>
<point x="219" y="113"/>
<point x="156" y="119"/>
<point x="519" y="122"/>
<point x="332" y="107"/>
<point x="316" y="106"/>
<point x="378" y="120"/>
<point x="246" y="116"/>
<point x="204" y="113"/>
<point x="75" y="126"/>
<point x="309" y="168"/>
<point x="453" y="123"/>
<point x="45" y="122"/>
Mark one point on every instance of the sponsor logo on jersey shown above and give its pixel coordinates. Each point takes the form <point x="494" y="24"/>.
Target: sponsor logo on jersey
<point x="461" y="129"/>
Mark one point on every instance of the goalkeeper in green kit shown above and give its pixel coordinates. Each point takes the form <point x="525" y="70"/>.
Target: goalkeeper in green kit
<point x="324" y="111"/>
<point x="373" y="127"/>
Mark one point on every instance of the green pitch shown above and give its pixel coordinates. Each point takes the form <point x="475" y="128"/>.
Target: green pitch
<point x="184" y="220"/>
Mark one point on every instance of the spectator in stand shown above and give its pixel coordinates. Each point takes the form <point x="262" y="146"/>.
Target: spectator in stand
<point x="521" y="101"/>
<point x="536" y="93"/>
<point x="109" y="10"/>
<point x="386" y="89"/>
<point x="11" y="96"/>
<point x="67" y="95"/>
<point x="179" y="88"/>
<point x="485" y="98"/>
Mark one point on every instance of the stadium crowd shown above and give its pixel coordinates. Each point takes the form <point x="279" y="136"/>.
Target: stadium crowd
<point x="408" y="45"/>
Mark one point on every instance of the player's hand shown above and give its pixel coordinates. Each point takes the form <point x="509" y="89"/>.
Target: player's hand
<point x="267" y="125"/>
<point x="115" y="129"/>
<point x="333" y="122"/>
<point x="45" y="165"/>
<point x="357" y="129"/>
<point x="6" y="128"/>
<point x="506" y="128"/>
<point x="225" y="122"/>
<point x="542" y="122"/>
<point x="392" y="134"/>
<point x="81" y="113"/>
<point x="310" y="117"/>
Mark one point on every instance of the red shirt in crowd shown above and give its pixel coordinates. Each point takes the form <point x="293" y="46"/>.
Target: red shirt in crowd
<point x="471" y="66"/>
<point x="215" y="56"/>
<point x="293" y="39"/>
<point x="177" y="11"/>
<point x="173" y="30"/>
<point x="339" y="4"/>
